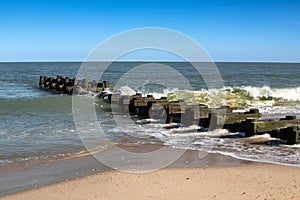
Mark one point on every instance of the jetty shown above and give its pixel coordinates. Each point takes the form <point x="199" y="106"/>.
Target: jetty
<point x="66" y="85"/>
<point x="145" y="107"/>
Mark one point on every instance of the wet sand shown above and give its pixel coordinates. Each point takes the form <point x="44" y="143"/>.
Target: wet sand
<point x="190" y="177"/>
<point x="31" y="174"/>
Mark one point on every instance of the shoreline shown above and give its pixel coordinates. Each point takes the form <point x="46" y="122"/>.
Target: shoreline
<point x="252" y="181"/>
<point x="17" y="177"/>
<point x="39" y="177"/>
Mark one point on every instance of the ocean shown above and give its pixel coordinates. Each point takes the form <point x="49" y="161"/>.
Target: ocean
<point x="36" y="124"/>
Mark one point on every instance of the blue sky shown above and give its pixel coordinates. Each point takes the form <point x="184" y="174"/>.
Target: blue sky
<point x="230" y="30"/>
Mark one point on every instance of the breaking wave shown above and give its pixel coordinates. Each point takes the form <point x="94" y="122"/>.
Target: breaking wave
<point x="239" y="97"/>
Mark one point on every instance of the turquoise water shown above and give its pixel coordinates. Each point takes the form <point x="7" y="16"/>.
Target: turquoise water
<point x="36" y="124"/>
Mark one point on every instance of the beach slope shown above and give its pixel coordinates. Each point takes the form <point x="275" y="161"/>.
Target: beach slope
<point x="256" y="181"/>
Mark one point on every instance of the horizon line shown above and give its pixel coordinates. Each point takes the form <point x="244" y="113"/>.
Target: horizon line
<point x="217" y="61"/>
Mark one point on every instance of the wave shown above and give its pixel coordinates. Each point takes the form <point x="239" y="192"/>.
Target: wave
<point x="292" y="94"/>
<point x="246" y="96"/>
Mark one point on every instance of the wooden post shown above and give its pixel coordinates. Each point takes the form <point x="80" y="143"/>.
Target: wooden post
<point x="292" y="135"/>
<point x="48" y="81"/>
<point x="254" y="111"/>
<point x="188" y="117"/>
<point x="290" y="117"/>
<point x="250" y="128"/>
<point x="84" y="84"/>
<point x="42" y="80"/>
<point x="156" y="110"/>
<point x="124" y="104"/>
<point x="75" y="81"/>
<point x="170" y="119"/>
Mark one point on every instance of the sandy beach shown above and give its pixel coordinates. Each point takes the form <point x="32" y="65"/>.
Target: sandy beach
<point x="261" y="181"/>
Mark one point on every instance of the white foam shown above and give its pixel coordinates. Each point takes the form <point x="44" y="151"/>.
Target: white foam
<point x="246" y="96"/>
<point x="293" y="146"/>
<point x="264" y="136"/>
<point x="254" y="160"/>
<point x="266" y="91"/>
<point x="126" y="91"/>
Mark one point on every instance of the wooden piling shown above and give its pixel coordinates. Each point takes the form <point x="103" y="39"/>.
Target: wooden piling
<point x="287" y="129"/>
<point x="253" y="127"/>
<point x="293" y="135"/>
<point x="42" y="80"/>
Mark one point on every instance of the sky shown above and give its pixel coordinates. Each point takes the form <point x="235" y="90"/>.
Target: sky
<point x="229" y="30"/>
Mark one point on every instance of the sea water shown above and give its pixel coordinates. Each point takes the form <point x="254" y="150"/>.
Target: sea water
<point x="36" y="124"/>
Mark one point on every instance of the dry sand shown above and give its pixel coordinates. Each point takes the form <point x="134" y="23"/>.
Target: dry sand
<point x="256" y="181"/>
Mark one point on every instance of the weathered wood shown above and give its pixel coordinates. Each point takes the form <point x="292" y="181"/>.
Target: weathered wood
<point x="179" y="111"/>
<point x="142" y="102"/>
<point x="156" y="110"/>
<point x="193" y="114"/>
<point x="42" y="80"/>
<point x="176" y="107"/>
<point x="124" y="103"/>
<point x="71" y="86"/>
<point x="290" y="134"/>
<point x="189" y="117"/>
<point x="253" y="127"/>
<point x="230" y="117"/>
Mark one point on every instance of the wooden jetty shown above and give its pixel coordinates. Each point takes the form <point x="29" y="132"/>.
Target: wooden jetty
<point x="223" y="117"/>
<point x="287" y="129"/>
<point x="66" y="85"/>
